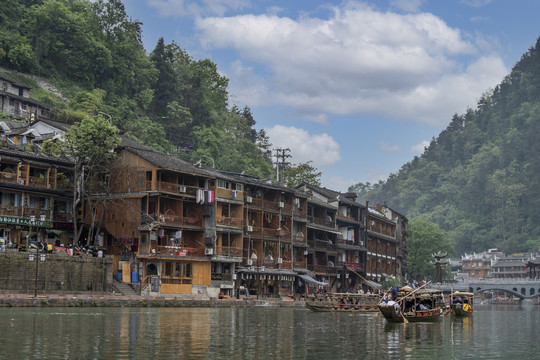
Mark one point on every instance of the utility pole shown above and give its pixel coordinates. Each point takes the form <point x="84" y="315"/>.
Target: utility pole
<point x="281" y="154"/>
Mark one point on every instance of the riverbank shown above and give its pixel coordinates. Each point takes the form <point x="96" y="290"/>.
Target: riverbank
<point x="86" y="300"/>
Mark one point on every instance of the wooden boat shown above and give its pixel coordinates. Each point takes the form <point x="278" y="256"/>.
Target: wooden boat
<point x="408" y="305"/>
<point x="347" y="302"/>
<point x="461" y="303"/>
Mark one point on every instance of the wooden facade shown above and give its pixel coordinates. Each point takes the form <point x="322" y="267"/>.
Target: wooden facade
<point x="36" y="190"/>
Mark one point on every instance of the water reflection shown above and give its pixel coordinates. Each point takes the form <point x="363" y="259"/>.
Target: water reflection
<point x="174" y="333"/>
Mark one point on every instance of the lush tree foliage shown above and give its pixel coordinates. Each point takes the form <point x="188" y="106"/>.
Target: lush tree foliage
<point x="90" y="143"/>
<point x="425" y="239"/>
<point x="478" y="180"/>
<point x="303" y="173"/>
<point x="166" y="99"/>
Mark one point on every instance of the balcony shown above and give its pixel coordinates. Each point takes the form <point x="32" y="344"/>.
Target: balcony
<point x="62" y="216"/>
<point x="11" y="210"/>
<point x="8" y="177"/>
<point x="228" y="251"/>
<point x="346" y="218"/>
<point x="320" y="221"/>
<point x="277" y="205"/>
<point x="40" y="182"/>
<point x="174" y="188"/>
<point x="222" y="277"/>
<point x="301" y="264"/>
<point x="229" y="221"/>
<point x="177" y="251"/>
<point x="300" y="212"/>
<point x="170" y="219"/>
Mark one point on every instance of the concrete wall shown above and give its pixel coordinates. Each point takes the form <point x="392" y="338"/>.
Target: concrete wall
<point x="58" y="273"/>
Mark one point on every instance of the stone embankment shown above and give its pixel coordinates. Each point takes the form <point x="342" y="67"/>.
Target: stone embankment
<point x="85" y="300"/>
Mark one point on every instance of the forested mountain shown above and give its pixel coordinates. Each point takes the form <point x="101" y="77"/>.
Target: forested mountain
<point x="93" y="52"/>
<point x="479" y="180"/>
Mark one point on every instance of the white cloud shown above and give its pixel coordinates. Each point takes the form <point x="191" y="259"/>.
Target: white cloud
<point x="322" y="149"/>
<point x="357" y="62"/>
<point x="419" y="148"/>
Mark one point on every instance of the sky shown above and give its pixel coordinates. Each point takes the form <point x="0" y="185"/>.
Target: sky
<point x="357" y="87"/>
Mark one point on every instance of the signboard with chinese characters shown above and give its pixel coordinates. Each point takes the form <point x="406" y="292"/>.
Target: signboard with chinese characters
<point x="15" y="220"/>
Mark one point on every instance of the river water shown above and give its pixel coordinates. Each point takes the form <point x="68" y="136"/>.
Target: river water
<point x="494" y="332"/>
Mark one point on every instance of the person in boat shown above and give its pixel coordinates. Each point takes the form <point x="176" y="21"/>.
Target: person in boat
<point x="421" y="306"/>
<point x="466" y="305"/>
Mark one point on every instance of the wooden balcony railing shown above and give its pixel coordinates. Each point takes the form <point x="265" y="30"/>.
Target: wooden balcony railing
<point x="8" y="177"/>
<point x="301" y="264"/>
<point x="228" y="251"/>
<point x="229" y="221"/>
<point x="11" y="210"/>
<point x="300" y="212"/>
<point x="346" y="217"/>
<point x="286" y="264"/>
<point x="178" y="251"/>
<point x="37" y="181"/>
<point x="37" y="212"/>
<point x="62" y="216"/>
<point x="320" y="221"/>
<point x="223" y="277"/>
<point x="170" y="219"/>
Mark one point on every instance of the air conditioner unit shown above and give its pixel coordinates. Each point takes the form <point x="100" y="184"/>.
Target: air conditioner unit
<point x="249" y="262"/>
<point x="181" y="188"/>
<point x="249" y="228"/>
<point x="279" y="260"/>
<point x="208" y="251"/>
<point x="281" y="204"/>
<point x="249" y="199"/>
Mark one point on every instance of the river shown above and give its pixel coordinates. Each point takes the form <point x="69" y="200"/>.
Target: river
<point x="494" y="332"/>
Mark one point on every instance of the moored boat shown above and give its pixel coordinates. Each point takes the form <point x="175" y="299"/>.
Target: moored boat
<point x="362" y="303"/>
<point x="408" y="305"/>
<point x="461" y="303"/>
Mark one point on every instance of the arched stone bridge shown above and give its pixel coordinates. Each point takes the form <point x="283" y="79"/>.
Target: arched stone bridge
<point x="520" y="288"/>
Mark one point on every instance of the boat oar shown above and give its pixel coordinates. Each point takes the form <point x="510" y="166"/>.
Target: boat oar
<point x="405" y="321"/>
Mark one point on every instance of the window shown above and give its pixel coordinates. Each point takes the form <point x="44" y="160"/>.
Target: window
<point x="237" y="187"/>
<point x="223" y="184"/>
<point x="179" y="271"/>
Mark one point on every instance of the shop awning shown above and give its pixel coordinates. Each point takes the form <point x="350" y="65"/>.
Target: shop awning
<point x="373" y="284"/>
<point x="311" y="280"/>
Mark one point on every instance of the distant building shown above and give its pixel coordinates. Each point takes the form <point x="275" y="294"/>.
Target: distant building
<point x="15" y="101"/>
<point x="512" y="267"/>
<point x="478" y="266"/>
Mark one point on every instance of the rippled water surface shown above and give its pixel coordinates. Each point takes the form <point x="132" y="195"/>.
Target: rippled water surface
<point x="495" y="332"/>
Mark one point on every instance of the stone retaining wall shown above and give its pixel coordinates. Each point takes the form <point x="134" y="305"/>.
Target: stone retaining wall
<point x="58" y="273"/>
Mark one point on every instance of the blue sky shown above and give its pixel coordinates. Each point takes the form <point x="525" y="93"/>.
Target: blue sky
<point x="357" y="87"/>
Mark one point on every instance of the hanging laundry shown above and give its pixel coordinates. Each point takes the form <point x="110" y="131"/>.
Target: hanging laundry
<point x="198" y="196"/>
<point x="210" y="197"/>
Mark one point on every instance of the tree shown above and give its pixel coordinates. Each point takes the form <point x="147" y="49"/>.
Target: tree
<point x="303" y="173"/>
<point x="425" y="239"/>
<point x="90" y="143"/>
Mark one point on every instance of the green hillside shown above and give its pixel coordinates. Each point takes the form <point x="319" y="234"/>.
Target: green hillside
<point x="480" y="178"/>
<point x="93" y="52"/>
